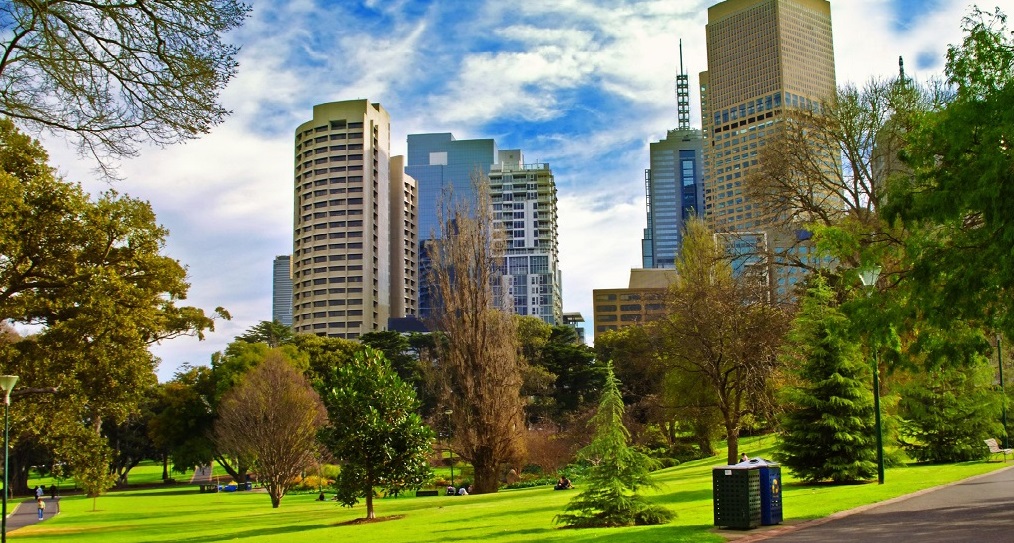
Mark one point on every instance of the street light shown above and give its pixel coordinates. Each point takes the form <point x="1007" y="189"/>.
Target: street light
<point x="1003" y="393"/>
<point x="869" y="278"/>
<point x="7" y="383"/>
<point x="450" y="450"/>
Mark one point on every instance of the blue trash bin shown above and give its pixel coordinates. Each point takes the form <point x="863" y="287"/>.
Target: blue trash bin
<point x="770" y="490"/>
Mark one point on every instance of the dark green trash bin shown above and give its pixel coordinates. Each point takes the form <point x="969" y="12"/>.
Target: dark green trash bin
<point x="736" y="495"/>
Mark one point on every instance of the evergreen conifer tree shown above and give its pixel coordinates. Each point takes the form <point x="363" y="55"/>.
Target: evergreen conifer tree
<point x="828" y="428"/>
<point x="610" y="495"/>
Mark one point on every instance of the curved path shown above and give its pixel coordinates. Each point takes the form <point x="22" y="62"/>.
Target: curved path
<point x="977" y="509"/>
<point x="25" y="512"/>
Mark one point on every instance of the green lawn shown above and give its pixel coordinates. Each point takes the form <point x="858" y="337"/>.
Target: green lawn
<point x="181" y="513"/>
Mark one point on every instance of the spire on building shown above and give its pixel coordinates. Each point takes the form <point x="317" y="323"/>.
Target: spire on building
<point x="682" y="95"/>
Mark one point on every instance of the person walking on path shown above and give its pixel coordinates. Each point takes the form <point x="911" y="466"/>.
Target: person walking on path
<point x="39" y="492"/>
<point x="41" y="504"/>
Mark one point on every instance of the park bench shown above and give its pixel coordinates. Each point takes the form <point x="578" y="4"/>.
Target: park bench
<point x="995" y="449"/>
<point x="209" y="488"/>
<point x="419" y="493"/>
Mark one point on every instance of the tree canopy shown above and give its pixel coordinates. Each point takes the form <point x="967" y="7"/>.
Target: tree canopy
<point x="115" y="74"/>
<point x="375" y="433"/>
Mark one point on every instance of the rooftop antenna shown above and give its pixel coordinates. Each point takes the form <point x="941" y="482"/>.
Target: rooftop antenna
<point x="683" y="95"/>
<point x="901" y="70"/>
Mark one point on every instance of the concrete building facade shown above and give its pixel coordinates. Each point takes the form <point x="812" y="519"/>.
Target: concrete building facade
<point x="764" y="57"/>
<point x="524" y="204"/>
<point x="349" y="264"/>
<point x="642" y="301"/>
<point x="281" y="290"/>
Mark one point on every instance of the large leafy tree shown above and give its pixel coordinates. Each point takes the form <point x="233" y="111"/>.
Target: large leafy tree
<point x="117" y="73"/>
<point x="272" y="418"/>
<point x="828" y="429"/>
<point x="609" y="496"/>
<point x="958" y="196"/>
<point x="181" y="424"/>
<point x="90" y="274"/>
<point x="722" y="331"/>
<point x="375" y="434"/>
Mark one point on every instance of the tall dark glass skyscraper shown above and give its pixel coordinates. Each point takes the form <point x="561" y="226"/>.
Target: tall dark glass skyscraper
<point x="674" y="192"/>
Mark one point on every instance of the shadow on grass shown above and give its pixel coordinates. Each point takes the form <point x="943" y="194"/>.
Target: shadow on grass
<point x="258" y="532"/>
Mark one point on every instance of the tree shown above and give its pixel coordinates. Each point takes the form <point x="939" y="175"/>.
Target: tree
<point x="115" y="74"/>
<point x="272" y="333"/>
<point x="958" y="195"/>
<point x="479" y="372"/>
<point x="272" y="417"/>
<point x="617" y="472"/>
<point x="375" y="434"/>
<point x="827" y="427"/>
<point x="949" y="412"/>
<point x="91" y="276"/>
<point x="183" y="419"/>
<point x="721" y="330"/>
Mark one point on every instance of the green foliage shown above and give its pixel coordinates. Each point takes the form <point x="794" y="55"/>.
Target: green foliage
<point x="957" y="202"/>
<point x="375" y="433"/>
<point x="90" y="274"/>
<point x="828" y="428"/>
<point x="273" y="333"/>
<point x="949" y="412"/>
<point x="609" y="491"/>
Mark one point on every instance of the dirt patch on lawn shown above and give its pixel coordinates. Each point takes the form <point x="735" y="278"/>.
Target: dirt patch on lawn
<point x="354" y="522"/>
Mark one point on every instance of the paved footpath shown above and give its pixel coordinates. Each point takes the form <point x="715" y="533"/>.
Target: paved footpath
<point x="25" y="513"/>
<point x="976" y="509"/>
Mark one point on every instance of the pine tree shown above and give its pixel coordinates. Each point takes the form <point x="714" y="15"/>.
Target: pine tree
<point x="618" y="471"/>
<point x="828" y="426"/>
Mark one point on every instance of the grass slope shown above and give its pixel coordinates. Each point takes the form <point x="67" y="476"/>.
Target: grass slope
<point x="182" y="514"/>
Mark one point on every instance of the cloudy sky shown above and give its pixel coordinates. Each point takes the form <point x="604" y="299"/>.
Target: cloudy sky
<point x="584" y="85"/>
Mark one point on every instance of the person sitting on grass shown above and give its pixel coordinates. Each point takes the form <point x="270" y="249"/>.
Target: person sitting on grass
<point x="563" y="483"/>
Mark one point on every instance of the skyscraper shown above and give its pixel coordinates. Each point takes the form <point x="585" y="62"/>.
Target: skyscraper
<point x="764" y="57"/>
<point x="525" y="205"/>
<point x="353" y="240"/>
<point x="672" y="185"/>
<point x="440" y="163"/>
<point x="281" y="290"/>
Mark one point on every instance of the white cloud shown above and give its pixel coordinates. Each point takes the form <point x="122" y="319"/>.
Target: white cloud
<point x="227" y="197"/>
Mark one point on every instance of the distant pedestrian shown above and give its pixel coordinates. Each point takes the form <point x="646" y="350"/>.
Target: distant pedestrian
<point x="42" y="506"/>
<point x="39" y="492"/>
<point x="52" y="491"/>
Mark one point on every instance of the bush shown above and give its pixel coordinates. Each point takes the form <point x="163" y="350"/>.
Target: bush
<point x="531" y="483"/>
<point x="311" y="483"/>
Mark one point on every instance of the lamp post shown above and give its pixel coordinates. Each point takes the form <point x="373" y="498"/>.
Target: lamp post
<point x="1003" y="393"/>
<point x="869" y="278"/>
<point x="7" y="382"/>
<point x="448" y="413"/>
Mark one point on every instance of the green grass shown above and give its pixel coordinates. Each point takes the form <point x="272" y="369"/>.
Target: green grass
<point x="181" y="513"/>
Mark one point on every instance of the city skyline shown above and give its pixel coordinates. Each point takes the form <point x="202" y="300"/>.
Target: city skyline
<point x="583" y="87"/>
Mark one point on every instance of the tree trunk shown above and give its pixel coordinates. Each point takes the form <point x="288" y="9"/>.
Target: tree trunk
<point x="485" y="467"/>
<point x="276" y="495"/>
<point x="369" y="502"/>
<point x="732" y="436"/>
<point x="165" y="467"/>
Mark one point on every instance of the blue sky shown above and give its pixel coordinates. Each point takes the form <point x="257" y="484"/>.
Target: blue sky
<point x="584" y="85"/>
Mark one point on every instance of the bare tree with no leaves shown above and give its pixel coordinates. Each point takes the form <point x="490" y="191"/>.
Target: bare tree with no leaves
<point x="273" y="417"/>
<point x="479" y="370"/>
